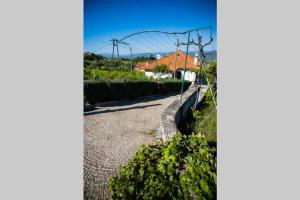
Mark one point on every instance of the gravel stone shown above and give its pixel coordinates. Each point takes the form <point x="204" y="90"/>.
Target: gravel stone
<point x="112" y="135"/>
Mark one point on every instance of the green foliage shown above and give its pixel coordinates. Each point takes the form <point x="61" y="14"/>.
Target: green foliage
<point x="152" y="57"/>
<point x="144" y="58"/>
<point x="163" y="68"/>
<point x="100" y="74"/>
<point x="97" y="67"/>
<point x="205" y="118"/>
<point x="210" y="96"/>
<point x="205" y="122"/>
<point x="210" y="71"/>
<point x="157" y="69"/>
<point x="100" y="62"/>
<point x="110" y="79"/>
<point x="182" y="168"/>
<point x="92" y="57"/>
<point x="109" y="64"/>
<point x="107" y="90"/>
<point x="196" y="70"/>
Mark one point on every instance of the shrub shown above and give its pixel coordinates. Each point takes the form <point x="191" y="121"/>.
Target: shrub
<point x="103" y="74"/>
<point x="182" y="168"/>
<point x="205" y="122"/>
<point x="100" y="62"/>
<point x="92" y="56"/>
<point x="163" y="68"/>
<point x="210" y="71"/>
<point x="99" y="91"/>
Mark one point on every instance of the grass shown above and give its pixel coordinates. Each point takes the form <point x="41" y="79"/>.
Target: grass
<point x="206" y="122"/>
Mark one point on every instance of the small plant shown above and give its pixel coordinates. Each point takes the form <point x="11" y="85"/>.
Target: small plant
<point x="196" y="114"/>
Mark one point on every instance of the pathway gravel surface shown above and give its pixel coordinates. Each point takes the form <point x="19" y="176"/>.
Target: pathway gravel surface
<point x="113" y="132"/>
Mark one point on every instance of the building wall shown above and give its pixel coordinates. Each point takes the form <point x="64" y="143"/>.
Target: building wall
<point x="149" y="74"/>
<point x="189" y="76"/>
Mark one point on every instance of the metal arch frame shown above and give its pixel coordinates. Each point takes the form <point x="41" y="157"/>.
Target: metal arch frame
<point x="121" y="41"/>
<point x="165" y="32"/>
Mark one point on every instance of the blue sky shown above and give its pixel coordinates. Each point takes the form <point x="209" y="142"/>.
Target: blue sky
<point x="107" y="19"/>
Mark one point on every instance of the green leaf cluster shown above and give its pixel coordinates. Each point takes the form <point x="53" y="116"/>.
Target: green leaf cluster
<point x="210" y="71"/>
<point x="182" y="168"/>
<point x="162" y="68"/>
<point x="205" y="122"/>
<point x="92" y="60"/>
<point x="92" y="57"/>
<point x="101" y="74"/>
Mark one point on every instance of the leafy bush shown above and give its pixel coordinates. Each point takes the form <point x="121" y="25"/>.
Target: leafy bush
<point x="210" y="96"/>
<point x="163" y="68"/>
<point x="99" y="91"/>
<point x="100" y="62"/>
<point x="92" y="56"/>
<point x="182" y="168"/>
<point x="144" y="58"/>
<point x="100" y="74"/>
<point x="210" y="72"/>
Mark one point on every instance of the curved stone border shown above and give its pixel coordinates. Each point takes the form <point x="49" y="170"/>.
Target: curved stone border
<point x="175" y="113"/>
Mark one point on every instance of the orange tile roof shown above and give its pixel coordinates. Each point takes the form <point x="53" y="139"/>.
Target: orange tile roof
<point x="142" y="65"/>
<point x="170" y="62"/>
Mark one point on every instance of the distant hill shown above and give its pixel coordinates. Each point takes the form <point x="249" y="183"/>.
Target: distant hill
<point x="210" y="55"/>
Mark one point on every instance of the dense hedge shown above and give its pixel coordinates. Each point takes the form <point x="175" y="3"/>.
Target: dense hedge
<point x="182" y="168"/>
<point x="99" y="91"/>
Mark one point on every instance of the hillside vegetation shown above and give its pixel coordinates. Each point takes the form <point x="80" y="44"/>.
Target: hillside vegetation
<point x="97" y="67"/>
<point x="107" y="79"/>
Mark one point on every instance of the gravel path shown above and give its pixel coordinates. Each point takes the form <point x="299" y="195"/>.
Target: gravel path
<point x="113" y="133"/>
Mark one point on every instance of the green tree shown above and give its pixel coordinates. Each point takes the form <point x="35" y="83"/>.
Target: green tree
<point x="163" y="68"/>
<point x="92" y="57"/>
<point x="152" y="57"/>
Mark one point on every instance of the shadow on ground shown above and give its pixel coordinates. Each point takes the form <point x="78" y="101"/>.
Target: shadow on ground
<point x="125" y="102"/>
<point x="120" y="109"/>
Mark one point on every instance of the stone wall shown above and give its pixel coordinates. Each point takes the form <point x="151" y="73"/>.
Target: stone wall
<point x="176" y="112"/>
